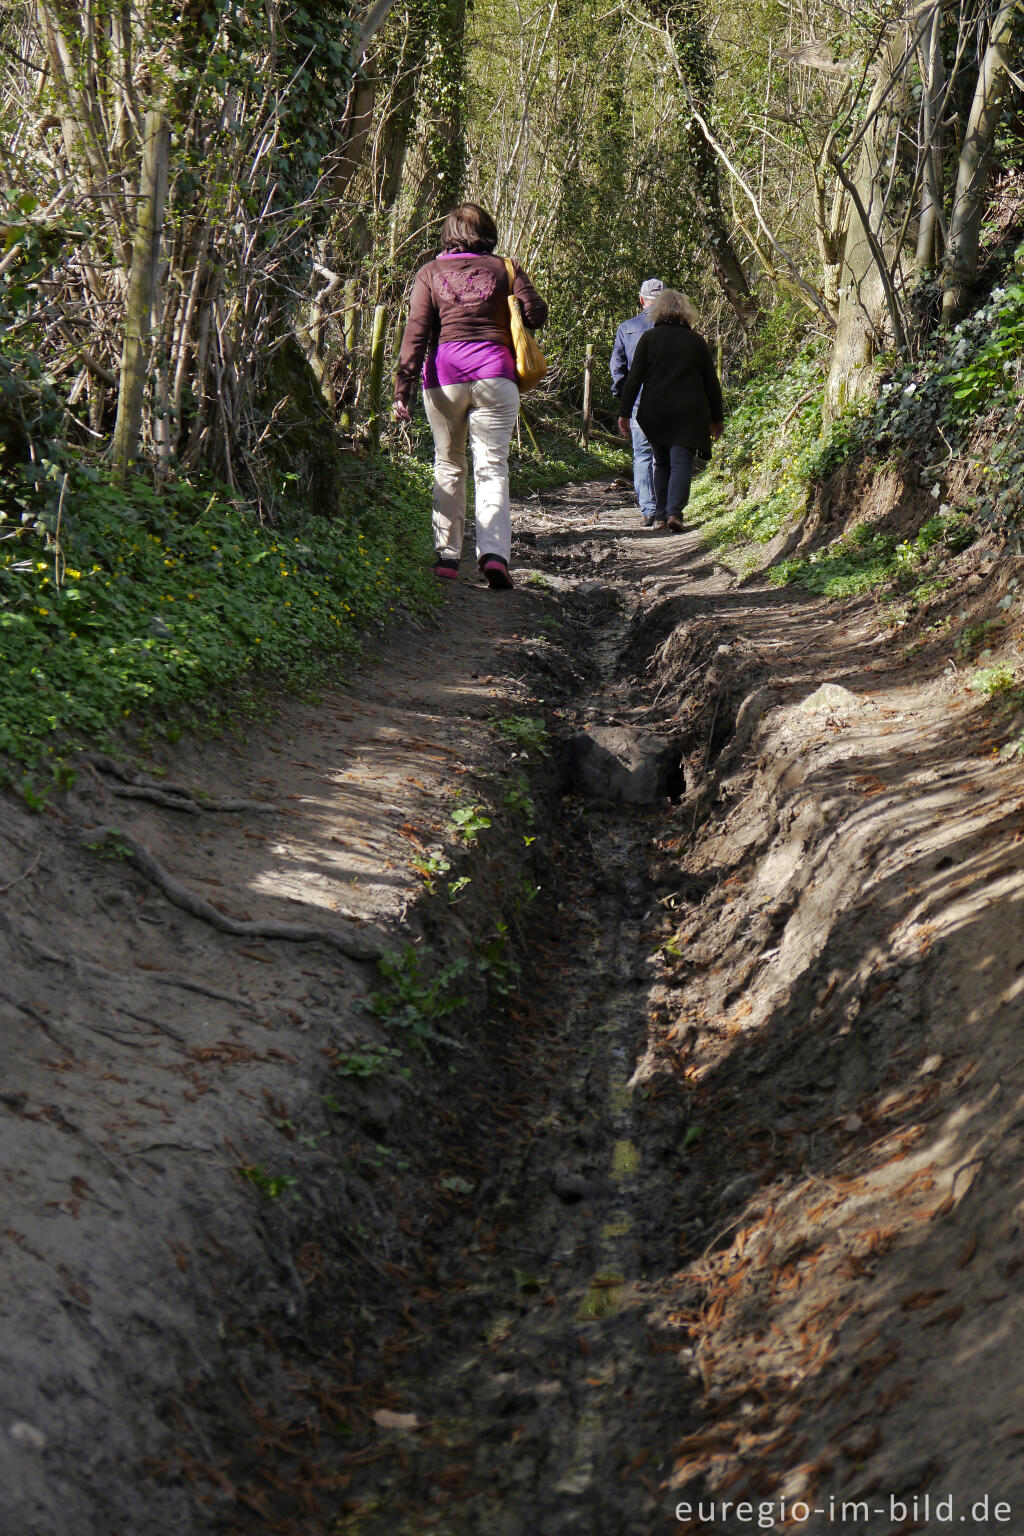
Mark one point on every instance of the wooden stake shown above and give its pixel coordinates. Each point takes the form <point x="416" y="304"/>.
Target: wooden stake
<point x="588" y="374"/>
<point x="376" y="372"/>
<point x="351" y="335"/>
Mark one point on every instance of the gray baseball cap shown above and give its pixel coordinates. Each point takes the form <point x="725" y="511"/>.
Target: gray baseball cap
<point x="650" y="286"/>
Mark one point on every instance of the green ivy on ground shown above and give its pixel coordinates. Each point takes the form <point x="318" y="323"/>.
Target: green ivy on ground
<point x="142" y="602"/>
<point x="865" y="559"/>
<point x="768" y="456"/>
<point x="121" y="604"/>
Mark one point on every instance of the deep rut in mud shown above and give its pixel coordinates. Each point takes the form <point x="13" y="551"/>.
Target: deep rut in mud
<point x="761" y="1140"/>
<point x="545" y="1397"/>
<point x="711" y="1206"/>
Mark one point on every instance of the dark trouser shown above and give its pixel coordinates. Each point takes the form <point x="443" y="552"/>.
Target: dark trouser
<point x="673" y="471"/>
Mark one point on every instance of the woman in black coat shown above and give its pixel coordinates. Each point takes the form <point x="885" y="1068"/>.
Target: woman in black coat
<point x="681" y="405"/>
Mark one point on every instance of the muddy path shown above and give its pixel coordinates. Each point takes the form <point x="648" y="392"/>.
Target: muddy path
<point x="672" y="1181"/>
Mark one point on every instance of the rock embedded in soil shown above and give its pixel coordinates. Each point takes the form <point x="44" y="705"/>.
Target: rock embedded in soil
<point x="621" y="765"/>
<point x="830" y="696"/>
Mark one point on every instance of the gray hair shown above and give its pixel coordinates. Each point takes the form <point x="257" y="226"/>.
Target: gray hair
<point x="670" y="307"/>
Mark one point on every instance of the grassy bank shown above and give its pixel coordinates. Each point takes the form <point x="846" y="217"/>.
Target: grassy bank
<point x="944" y="427"/>
<point x="160" y="608"/>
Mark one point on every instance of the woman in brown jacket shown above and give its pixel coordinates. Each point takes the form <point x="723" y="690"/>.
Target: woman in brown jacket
<point x="458" y="335"/>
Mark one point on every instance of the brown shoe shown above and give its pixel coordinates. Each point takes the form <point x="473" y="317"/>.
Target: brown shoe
<point x="676" y="524"/>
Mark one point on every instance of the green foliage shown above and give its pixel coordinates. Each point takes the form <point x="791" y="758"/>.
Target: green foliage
<point x="560" y="459"/>
<point x="530" y="735"/>
<point x="415" y="1000"/>
<point x="368" y="1062"/>
<point x="769" y="455"/>
<point x="496" y="962"/>
<point x="153" y="600"/>
<point x="994" y="368"/>
<point x="519" y="800"/>
<point x="866" y="558"/>
<point x="468" y="821"/>
<point x="994" y="681"/>
<point x="270" y="1185"/>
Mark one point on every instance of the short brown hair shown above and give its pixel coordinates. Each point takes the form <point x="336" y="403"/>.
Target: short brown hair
<point x="670" y="307"/>
<point x="469" y="228"/>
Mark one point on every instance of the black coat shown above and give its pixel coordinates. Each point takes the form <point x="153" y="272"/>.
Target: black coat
<point x="681" y="392"/>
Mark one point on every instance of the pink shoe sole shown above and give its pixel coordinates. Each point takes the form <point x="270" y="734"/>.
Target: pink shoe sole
<point x="496" y="572"/>
<point x="445" y="572"/>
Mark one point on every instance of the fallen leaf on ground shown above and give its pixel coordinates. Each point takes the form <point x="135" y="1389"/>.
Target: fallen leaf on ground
<point x="385" y="1419"/>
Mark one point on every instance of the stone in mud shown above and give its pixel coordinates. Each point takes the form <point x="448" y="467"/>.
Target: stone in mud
<point x="622" y="765"/>
<point x="830" y="696"/>
<point x="569" y="1184"/>
<point x="598" y="593"/>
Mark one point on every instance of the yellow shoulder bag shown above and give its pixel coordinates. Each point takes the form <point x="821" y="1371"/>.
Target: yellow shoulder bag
<point x="531" y="365"/>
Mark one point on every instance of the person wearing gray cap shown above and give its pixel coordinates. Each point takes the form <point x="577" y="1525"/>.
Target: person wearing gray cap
<point x="626" y="338"/>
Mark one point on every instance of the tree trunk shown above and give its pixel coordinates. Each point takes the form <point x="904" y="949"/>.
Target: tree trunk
<point x="976" y="159"/>
<point x="865" y="288"/>
<point x="687" y="35"/>
<point x="149" y="220"/>
<point x="933" y="82"/>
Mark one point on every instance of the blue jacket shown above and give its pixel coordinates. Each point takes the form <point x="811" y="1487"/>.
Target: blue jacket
<point x="626" y="338"/>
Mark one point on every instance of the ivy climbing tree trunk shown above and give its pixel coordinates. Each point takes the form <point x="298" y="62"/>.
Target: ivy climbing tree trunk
<point x="687" y="31"/>
<point x="434" y="163"/>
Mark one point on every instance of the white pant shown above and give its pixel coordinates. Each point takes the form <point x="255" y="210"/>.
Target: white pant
<point x="486" y="410"/>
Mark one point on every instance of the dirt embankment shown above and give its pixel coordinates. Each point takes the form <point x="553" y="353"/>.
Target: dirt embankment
<point x="708" y="1189"/>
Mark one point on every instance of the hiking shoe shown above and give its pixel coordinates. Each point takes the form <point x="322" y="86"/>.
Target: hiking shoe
<point x="495" y="568"/>
<point x="446" y="569"/>
<point x="676" y="523"/>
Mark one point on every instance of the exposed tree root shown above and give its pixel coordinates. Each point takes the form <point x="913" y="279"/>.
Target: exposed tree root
<point x="159" y="978"/>
<point x="189" y="901"/>
<point x="176" y="797"/>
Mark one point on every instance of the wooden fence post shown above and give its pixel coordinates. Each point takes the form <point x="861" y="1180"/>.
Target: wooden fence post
<point x="351" y="335"/>
<point x="149" y="223"/>
<point x="588" y="375"/>
<point x="376" y="372"/>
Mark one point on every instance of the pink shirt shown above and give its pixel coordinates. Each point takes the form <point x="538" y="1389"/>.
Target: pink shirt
<point x="460" y="362"/>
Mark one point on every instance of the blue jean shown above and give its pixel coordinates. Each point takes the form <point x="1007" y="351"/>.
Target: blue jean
<point x="673" y="471"/>
<point x="643" y="471"/>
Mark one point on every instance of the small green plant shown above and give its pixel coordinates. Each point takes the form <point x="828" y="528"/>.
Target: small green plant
<point x="519" y="800"/>
<point x="468" y="821"/>
<point x="974" y="634"/>
<point x="431" y="867"/>
<point x="370" y="1061"/>
<point x="270" y="1185"/>
<point x="524" y="732"/>
<point x="413" y="1000"/>
<point x="110" y="846"/>
<point x="994" y="681"/>
<point x="456" y="1184"/>
<point x="496" y="964"/>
